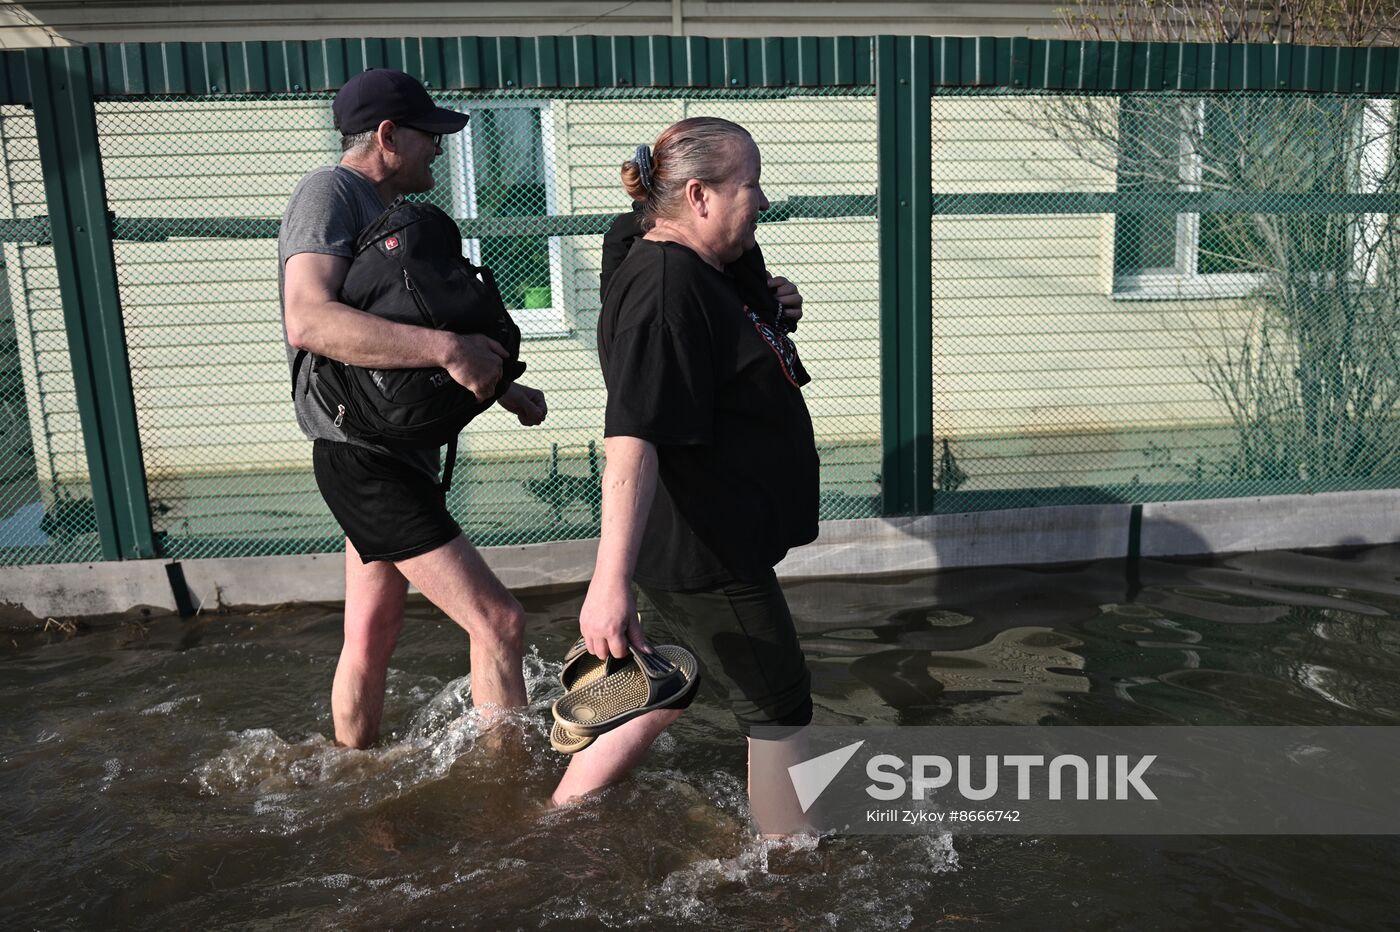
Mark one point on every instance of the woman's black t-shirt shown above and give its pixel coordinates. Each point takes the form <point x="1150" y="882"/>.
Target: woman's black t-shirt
<point x="695" y="371"/>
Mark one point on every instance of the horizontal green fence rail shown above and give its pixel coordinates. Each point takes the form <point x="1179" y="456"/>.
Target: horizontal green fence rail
<point x="155" y="229"/>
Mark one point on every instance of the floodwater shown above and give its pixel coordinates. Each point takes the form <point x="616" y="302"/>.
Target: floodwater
<point x="177" y="774"/>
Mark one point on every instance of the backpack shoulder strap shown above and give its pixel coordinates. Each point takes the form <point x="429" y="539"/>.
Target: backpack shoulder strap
<point x="297" y="362"/>
<point x="447" y="465"/>
<point x="385" y="224"/>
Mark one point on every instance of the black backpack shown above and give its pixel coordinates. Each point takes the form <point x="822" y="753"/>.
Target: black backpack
<point x="408" y="267"/>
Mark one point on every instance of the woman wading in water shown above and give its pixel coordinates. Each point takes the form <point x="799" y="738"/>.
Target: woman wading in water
<point x="711" y="465"/>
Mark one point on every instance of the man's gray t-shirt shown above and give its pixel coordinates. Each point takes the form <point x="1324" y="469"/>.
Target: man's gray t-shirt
<point x="327" y="210"/>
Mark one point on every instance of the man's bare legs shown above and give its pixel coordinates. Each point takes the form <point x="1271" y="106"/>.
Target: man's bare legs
<point x="612" y="756"/>
<point x="456" y="580"/>
<point x="374" y="599"/>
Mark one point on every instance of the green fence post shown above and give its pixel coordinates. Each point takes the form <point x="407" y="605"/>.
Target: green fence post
<point x="903" y="98"/>
<point x="65" y="121"/>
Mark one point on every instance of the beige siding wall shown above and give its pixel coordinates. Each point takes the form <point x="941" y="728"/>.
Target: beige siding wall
<point x="826" y="146"/>
<point x="810" y="146"/>
<point x="202" y="322"/>
<point x="56" y="22"/>
<point x="41" y="337"/>
<point x="1028" y="338"/>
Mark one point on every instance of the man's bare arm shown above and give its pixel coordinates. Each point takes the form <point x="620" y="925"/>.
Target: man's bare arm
<point x="319" y="322"/>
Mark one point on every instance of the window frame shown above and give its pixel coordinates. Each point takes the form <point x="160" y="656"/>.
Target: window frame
<point x="534" y="322"/>
<point x="1379" y="149"/>
<point x="1184" y="281"/>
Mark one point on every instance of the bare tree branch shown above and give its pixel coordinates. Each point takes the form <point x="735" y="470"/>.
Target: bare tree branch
<point x="1313" y="383"/>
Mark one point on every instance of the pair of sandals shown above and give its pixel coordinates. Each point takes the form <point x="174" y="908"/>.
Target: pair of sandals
<point x="603" y="694"/>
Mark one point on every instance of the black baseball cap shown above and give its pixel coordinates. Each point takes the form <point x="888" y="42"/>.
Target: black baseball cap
<point x="379" y="94"/>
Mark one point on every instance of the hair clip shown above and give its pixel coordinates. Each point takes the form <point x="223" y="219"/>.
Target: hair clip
<point x="643" y="160"/>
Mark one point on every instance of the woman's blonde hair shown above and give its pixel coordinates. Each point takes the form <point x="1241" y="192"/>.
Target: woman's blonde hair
<point x="704" y="148"/>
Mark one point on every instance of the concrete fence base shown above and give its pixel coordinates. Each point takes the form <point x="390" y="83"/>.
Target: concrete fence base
<point x="844" y="548"/>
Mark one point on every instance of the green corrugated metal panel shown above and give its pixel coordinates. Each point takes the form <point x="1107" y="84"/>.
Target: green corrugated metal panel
<point x="482" y="63"/>
<point x="14" y="78"/>
<point x="1056" y="64"/>
<point x="491" y="63"/>
<point x="66" y="125"/>
<point x="906" y="334"/>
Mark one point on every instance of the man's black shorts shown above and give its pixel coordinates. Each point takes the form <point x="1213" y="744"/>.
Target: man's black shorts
<point x="743" y="636"/>
<point x="388" y="509"/>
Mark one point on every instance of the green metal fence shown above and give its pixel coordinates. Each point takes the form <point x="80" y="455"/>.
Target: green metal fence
<point x="1229" y="330"/>
<point x="533" y="181"/>
<point x="1035" y="272"/>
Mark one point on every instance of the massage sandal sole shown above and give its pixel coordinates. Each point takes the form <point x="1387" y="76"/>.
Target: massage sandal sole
<point x="567" y="742"/>
<point x="580" y="668"/>
<point x="579" y="663"/>
<point x="629" y="691"/>
<point x="577" y="657"/>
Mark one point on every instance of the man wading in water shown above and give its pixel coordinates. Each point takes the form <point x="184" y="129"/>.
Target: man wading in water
<point x="388" y="501"/>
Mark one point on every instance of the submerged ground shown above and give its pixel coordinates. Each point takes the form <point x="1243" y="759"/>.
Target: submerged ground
<point x="178" y="774"/>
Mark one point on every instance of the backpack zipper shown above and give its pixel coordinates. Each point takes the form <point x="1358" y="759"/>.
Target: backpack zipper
<point x="314" y="389"/>
<point x="418" y="302"/>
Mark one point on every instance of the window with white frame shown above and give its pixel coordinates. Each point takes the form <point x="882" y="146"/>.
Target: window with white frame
<point x="503" y="167"/>
<point x="1265" y="144"/>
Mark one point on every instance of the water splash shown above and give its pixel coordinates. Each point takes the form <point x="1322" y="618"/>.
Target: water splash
<point x="111" y="770"/>
<point x="306" y="781"/>
<point x="263" y="762"/>
<point x="452" y="703"/>
<point x="165" y="708"/>
<point x="941" y="853"/>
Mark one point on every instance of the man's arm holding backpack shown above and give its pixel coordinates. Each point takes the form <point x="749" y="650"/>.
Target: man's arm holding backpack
<point x="317" y="321"/>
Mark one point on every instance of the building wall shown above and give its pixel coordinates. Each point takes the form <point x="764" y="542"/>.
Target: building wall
<point x="62" y="22"/>
<point x="810" y="145"/>
<point x="37" y="313"/>
<point x="1028" y="339"/>
<point x="1028" y="335"/>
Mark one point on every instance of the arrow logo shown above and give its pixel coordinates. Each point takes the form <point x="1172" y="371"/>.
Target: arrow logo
<point x="811" y="777"/>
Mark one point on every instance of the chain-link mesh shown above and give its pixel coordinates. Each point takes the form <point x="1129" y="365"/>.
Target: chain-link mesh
<point x="198" y="188"/>
<point x="199" y="185"/>
<point x="1135" y="298"/>
<point x="1228" y="329"/>
<point x="46" y="509"/>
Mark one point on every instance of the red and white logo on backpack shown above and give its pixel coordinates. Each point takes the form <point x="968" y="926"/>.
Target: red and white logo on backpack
<point x="391" y="243"/>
